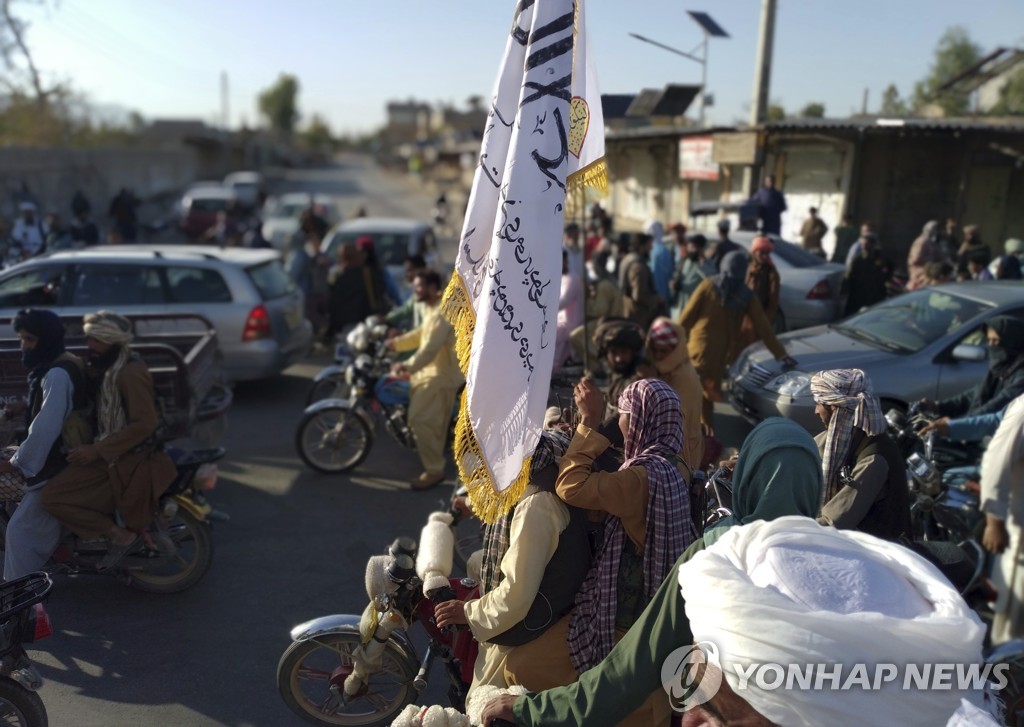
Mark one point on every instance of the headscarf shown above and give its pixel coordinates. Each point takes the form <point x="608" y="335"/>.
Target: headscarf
<point x="731" y="281"/>
<point x="45" y="325"/>
<point x="653" y="441"/>
<point x="116" y="330"/>
<point x="856" y="407"/>
<point x="663" y="333"/>
<point x="792" y="592"/>
<point x="549" y="450"/>
<point x="1003" y="360"/>
<point x="762" y="243"/>
<point x="655" y="230"/>
<point x="778" y="474"/>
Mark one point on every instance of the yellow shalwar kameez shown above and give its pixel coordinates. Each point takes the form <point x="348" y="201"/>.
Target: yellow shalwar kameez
<point x="435" y="379"/>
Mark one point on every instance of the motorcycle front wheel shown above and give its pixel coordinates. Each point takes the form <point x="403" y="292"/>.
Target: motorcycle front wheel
<point x="183" y="570"/>
<point x="309" y="669"/>
<point x="20" y="707"/>
<point x="333" y="440"/>
<point x="329" y="388"/>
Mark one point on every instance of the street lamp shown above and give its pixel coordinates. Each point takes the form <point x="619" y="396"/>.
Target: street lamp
<point x="711" y="29"/>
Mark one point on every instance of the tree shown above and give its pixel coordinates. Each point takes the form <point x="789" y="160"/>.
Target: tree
<point x="775" y="112"/>
<point x="17" y="57"/>
<point x="1011" y="96"/>
<point x="955" y="53"/>
<point x="892" y="104"/>
<point x="278" y="103"/>
<point x="317" y="136"/>
<point x="813" y="110"/>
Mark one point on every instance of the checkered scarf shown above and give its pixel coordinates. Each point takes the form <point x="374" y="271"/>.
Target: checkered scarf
<point x="550" y="449"/>
<point x="653" y="442"/>
<point x="856" y="407"/>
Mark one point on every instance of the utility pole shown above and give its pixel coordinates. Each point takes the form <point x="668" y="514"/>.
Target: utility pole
<point x="224" y="132"/>
<point x="762" y="81"/>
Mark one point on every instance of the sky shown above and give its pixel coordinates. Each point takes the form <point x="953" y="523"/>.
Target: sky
<point x="165" y="58"/>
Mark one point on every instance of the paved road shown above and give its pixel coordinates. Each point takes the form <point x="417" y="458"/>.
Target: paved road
<point x="295" y="548"/>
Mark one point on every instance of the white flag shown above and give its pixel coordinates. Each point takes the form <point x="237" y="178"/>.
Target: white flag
<point x="545" y="133"/>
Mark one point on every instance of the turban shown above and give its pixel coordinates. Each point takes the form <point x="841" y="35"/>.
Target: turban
<point x="108" y="327"/>
<point x="663" y="334"/>
<point x="794" y="593"/>
<point x="856" y="407"/>
<point x="762" y="243"/>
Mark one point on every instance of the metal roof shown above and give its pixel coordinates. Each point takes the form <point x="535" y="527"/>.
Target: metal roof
<point x="872" y="123"/>
<point x="656" y="132"/>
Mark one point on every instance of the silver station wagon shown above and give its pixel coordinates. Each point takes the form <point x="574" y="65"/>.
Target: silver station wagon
<point x="258" y="313"/>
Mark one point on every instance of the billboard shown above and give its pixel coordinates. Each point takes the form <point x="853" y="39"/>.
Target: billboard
<point x="696" y="159"/>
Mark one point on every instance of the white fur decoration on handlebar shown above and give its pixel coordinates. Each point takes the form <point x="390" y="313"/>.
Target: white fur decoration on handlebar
<point x="377" y="581"/>
<point x="482" y="695"/>
<point x="474" y="564"/>
<point x="435" y="557"/>
<point x="435" y="716"/>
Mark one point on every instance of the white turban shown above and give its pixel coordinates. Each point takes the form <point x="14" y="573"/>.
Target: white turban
<point x="108" y="327"/>
<point x="792" y="592"/>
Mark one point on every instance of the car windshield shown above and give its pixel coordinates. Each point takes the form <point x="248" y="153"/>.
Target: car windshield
<point x="290" y="210"/>
<point x="209" y="204"/>
<point x="271" y="280"/>
<point x="910" y="322"/>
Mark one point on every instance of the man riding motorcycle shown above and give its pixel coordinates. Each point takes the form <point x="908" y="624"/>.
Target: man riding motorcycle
<point x="57" y="422"/>
<point x="123" y="470"/>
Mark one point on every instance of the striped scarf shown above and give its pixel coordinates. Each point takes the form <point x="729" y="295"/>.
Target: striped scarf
<point x="855" y="407"/>
<point x="654" y="439"/>
<point x="110" y="414"/>
<point x="550" y="449"/>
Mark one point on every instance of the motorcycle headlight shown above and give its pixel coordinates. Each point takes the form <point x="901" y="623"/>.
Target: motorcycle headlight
<point x="350" y="375"/>
<point x="358" y="338"/>
<point x="791" y="383"/>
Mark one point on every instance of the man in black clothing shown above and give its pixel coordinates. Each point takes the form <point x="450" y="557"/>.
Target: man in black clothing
<point x="866" y="278"/>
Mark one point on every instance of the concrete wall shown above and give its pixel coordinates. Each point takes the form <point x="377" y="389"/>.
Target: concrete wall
<point x="51" y="176"/>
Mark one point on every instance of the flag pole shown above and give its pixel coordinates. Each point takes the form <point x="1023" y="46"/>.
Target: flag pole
<point x="586" y="281"/>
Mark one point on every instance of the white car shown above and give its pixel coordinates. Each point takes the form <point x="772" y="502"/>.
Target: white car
<point x="394" y="239"/>
<point x="247" y="186"/>
<point x="282" y="214"/>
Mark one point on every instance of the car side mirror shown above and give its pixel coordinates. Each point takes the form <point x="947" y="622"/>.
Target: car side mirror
<point x="970" y="352"/>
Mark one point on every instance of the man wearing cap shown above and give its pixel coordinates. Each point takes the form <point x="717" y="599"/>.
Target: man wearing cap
<point x="763" y="279"/>
<point x="771" y="203"/>
<point x="670" y="359"/>
<point x="866" y="276"/>
<point x="57" y="398"/>
<point x="641" y="301"/>
<point x="724" y="245"/>
<point x="29" y="233"/>
<point x="865" y="475"/>
<point x="124" y="470"/>
<point x="813" y="232"/>
<point x="691" y="269"/>
<point x="784" y="592"/>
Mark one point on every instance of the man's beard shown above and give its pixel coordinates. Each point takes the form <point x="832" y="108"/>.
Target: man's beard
<point x="624" y="368"/>
<point x="103" y="361"/>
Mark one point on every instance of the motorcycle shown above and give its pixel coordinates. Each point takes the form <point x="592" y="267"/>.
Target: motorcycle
<point x="184" y="516"/>
<point x="336" y="435"/>
<point x="943" y="482"/>
<point x="23" y="620"/>
<point x="363" y="670"/>
<point x="330" y="382"/>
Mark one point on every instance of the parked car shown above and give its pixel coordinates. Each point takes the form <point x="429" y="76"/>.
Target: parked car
<point x="248" y="188"/>
<point x="200" y="207"/>
<point x="808" y="285"/>
<point x="282" y="214"/>
<point x="394" y="239"/>
<point x="246" y="294"/>
<point x="928" y="343"/>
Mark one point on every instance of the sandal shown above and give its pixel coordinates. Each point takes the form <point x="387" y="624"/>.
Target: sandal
<point x="116" y="553"/>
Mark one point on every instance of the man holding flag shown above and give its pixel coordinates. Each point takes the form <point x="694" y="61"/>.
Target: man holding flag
<point x="543" y="144"/>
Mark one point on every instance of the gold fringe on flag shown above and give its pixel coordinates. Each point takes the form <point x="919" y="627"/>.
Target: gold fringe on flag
<point x="486" y="501"/>
<point x="593" y="176"/>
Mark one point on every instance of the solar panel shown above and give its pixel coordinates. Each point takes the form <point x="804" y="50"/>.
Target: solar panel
<point x="708" y="25"/>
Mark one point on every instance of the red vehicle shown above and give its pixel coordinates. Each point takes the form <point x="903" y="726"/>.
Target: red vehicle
<point x="200" y="207"/>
